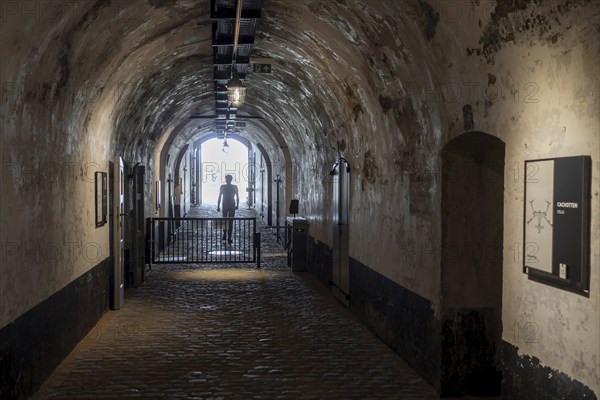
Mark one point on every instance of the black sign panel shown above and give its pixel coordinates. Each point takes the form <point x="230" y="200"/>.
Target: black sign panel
<point x="556" y="246"/>
<point x="262" y="68"/>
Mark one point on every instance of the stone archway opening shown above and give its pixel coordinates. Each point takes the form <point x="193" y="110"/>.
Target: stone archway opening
<point x="471" y="274"/>
<point x="221" y="157"/>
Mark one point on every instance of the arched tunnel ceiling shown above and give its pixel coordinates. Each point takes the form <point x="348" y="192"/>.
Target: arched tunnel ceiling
<point x="132" y="72"/>
<point x="140" y="68"/>
<point x="323" y="71"/>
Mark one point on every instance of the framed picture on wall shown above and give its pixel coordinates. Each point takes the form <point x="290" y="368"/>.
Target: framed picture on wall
<point x="100" y="194"/>
<point x="556" y="225"/>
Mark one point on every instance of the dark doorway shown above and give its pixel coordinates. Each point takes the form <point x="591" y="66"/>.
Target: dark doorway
<point x="137" y="223"/>
<point x="472" y="236"/>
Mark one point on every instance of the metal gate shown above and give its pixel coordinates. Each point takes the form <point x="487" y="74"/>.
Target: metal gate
<point x="203" y="240"/>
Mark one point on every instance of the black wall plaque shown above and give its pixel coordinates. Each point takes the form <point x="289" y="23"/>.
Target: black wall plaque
<point x="557" y="222"/>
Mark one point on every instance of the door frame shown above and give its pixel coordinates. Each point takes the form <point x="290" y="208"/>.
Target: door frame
<point x="138" y="224"/>
<point x="118" y="232"/>
<point x="340" y="274"/>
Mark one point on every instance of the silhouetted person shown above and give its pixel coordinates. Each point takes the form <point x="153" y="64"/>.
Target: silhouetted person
<point x="231" y="201"/>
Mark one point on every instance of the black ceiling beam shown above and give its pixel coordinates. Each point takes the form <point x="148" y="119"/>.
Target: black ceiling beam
<point x="219" y="88"/>
<point x="225" y="60"/>
<point x="223" y="24"/>
<point x="226" y="75"/>
<point x="228" y="41"/>
<point x="239" y="118"/>
<point x="229" y="14"/>
<point x="223" y="52"/>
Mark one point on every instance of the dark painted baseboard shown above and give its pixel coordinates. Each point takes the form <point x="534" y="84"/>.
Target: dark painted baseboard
<point x="320" y="261"/>
<point x="524" y="378"/>
<point x="34" y="344"/>
<point x="406" y="322"/>
<point x="470" y="341"/>
<point x="400" y="318"/>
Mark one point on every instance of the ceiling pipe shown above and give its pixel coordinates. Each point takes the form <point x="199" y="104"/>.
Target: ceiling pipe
<point x="236" y="35"/>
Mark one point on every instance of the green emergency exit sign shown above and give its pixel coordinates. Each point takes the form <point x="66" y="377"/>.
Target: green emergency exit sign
<point x="262" y="68"/>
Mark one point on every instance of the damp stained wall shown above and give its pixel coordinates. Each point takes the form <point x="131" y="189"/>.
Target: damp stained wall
<point x="563" y="327"/>
<point x="391" y="93"/>
<point x="541" y="81"/>
<point x="52" y="144"/>
<point x="81" y="83"/>
<point x="381" y="83"/>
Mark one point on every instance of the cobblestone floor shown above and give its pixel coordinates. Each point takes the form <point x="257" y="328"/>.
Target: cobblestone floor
<point x="232" y="332"/>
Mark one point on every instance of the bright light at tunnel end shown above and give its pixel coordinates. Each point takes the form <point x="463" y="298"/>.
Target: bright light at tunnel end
<point x="222" y="275"/>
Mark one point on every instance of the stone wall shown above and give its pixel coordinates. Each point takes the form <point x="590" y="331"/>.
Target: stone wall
<point x="384" y="84"/>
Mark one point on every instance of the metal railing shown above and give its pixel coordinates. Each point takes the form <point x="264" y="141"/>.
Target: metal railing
<point x="203" y="240"/>
<point x="287" y="234"/>
<point x="287" y="238"/>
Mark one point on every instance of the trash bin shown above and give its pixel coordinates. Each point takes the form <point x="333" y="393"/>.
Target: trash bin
<point x="299" y="243"/>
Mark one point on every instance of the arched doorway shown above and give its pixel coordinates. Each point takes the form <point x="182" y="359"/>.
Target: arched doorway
<point x="264" y="188"/>
<point x="471" y="274"/>
<point x="221" y="157"/>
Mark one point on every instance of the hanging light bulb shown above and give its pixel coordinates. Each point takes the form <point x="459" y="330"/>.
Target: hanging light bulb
<point x="225" y="146"/>
<point x="236" y="92"/>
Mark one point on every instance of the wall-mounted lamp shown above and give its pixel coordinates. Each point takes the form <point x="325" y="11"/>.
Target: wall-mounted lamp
<point x="338" y="163"/>
<point x="236" y="92"/>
